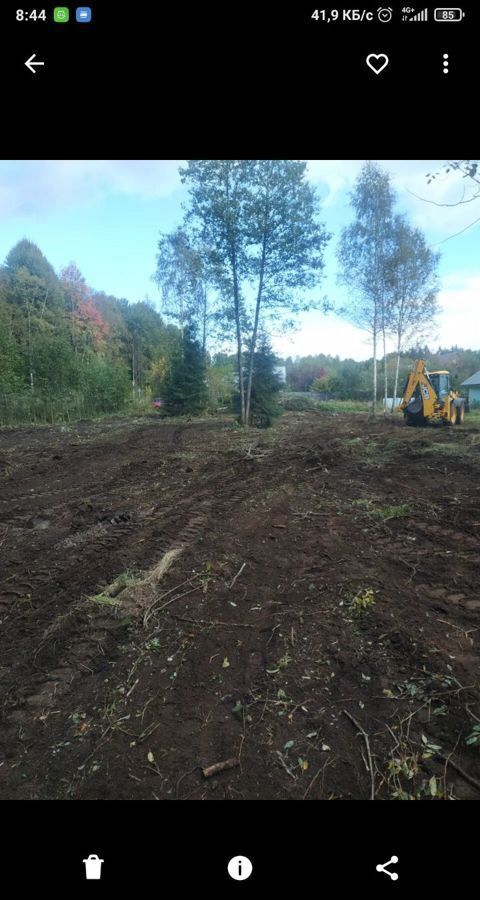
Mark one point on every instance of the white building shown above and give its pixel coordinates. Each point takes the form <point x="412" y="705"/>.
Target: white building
<point x="390" y="403"/>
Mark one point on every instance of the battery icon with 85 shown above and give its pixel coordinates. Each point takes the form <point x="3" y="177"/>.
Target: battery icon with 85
<point x="448" y="14"/>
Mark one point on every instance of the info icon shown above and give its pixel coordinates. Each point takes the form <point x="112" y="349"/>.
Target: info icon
<point x="240" y="868"/>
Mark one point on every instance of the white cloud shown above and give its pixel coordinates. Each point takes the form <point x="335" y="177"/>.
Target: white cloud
<point x="324" y="334"/>
<point x="333" y="176"/>
<point x="409" y="180"/>
<point x="36" y="187"/>
<point x="460" y="311"/>
<point x="458" y="323"/>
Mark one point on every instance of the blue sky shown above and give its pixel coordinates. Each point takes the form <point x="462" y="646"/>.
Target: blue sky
<point x="106" y="216"/>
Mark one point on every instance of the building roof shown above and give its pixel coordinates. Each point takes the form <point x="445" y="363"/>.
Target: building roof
<point x="474" y="379"/>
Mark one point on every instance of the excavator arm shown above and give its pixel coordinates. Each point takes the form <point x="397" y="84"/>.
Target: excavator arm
<point x="419" y="395"/>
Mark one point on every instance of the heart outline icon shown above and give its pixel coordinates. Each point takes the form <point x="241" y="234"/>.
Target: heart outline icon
<point x="377" y="56"/>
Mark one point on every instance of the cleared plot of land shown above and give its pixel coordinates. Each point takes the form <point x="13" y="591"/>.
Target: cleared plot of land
<point x="301" y="604"/>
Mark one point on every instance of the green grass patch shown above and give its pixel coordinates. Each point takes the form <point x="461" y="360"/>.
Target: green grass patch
<point x="445" y="449"/>
<point x="473" y="417"/>
<point x="110" y="595"/>
<point x="392" y="512"/>
<point x="298" y="402"/>
<point x="392" y="445"/>
<point x="363" y="601"/>
<point x="362" y="502"/>
<point x="344" y="406"/>
<point x="384" y="513"/>
<point x="360" y="445"/>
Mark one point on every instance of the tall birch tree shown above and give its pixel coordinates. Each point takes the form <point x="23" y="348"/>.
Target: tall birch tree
<point x="363" y="254"/>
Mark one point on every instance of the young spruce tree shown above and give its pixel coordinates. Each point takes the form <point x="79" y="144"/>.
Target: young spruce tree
<point x="264" y="407"/>
<point x="184" y="388"/>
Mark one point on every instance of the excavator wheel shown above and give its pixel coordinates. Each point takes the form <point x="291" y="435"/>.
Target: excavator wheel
<point x="452" y="420"/>
<point x="460" y="414"/>
<point x="416" y="420"/>
<point x="414" y="412"/>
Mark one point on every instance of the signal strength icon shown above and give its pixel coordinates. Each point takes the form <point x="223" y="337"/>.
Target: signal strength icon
<point x="421" y="16"/>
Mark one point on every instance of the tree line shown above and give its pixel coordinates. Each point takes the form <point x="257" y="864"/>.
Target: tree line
<point x="68" y="351"/>
<point x="247" y="257"/>
<point x="349" y="379"/>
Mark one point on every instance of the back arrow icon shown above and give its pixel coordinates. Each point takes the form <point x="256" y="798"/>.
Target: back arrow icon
<point x="30" y="63"/>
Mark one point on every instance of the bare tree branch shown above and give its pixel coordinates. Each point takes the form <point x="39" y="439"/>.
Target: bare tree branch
<point x="449" y="238"/>
<point x="434" y="202"/>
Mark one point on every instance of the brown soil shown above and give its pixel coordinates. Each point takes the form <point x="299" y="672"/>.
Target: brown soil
<point x="254" y="639"/>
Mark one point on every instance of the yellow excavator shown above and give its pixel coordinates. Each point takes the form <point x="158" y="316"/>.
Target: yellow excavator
<point x="428" y="397"/>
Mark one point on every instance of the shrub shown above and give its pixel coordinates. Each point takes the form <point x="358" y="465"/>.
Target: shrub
<point x="298" y="403"/>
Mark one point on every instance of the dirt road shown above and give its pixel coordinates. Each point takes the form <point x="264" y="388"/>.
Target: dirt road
<point x="302" y="602"/>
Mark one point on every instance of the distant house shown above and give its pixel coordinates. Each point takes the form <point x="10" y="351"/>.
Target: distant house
<point x="473" y="385"/>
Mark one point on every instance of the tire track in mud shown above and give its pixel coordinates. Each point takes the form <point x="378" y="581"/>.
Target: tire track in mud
<point x="29" y="622"/>
<point x="39" y="520"/>
<point x="95" y="632"/>
<point x="93" y="629"/>
<point x="64" y="638"/>
<point x="152" y="526"/>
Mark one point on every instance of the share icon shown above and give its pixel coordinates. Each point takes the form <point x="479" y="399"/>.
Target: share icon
<point x="383" y="868"/>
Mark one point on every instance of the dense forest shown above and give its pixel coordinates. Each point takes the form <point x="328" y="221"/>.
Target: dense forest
<point x="68" y="351"/>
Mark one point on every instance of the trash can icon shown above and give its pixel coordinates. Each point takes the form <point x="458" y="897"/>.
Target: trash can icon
<point x="93" y="867"/>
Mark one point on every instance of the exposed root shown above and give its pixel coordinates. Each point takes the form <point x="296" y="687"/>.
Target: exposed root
<point x="156" y="574"/>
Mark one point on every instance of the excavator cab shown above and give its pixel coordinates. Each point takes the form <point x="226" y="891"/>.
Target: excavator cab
<point x="441" y="383"/>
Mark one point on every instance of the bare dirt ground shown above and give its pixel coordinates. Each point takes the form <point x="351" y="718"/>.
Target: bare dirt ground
<point x="303" y="602"/>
